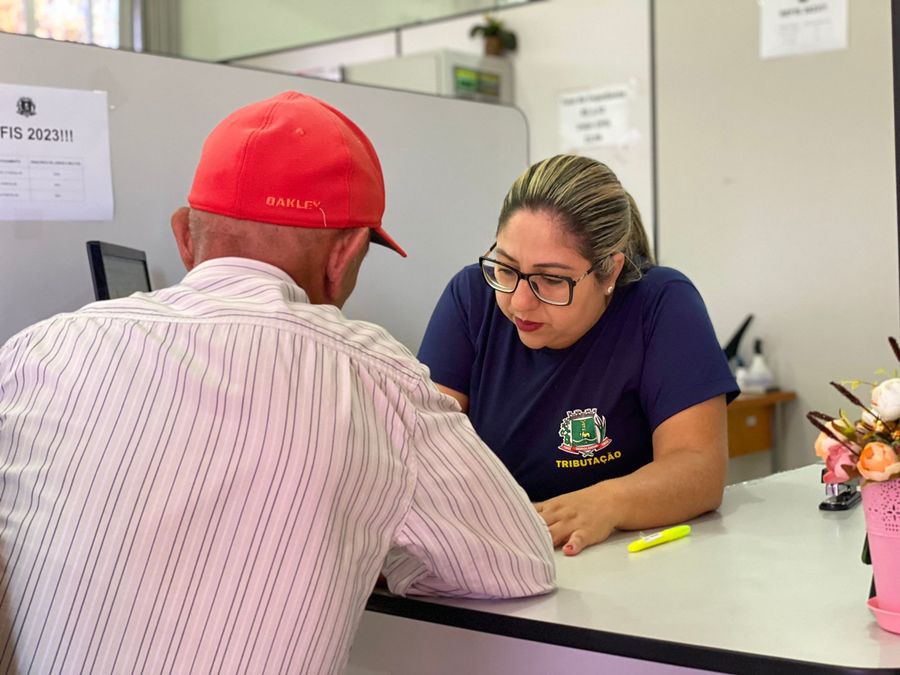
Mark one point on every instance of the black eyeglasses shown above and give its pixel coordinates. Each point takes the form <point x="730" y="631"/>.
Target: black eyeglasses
<point x="553" y="289"/>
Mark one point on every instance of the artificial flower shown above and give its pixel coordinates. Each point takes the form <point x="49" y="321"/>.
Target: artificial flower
<point x="824" y="442"/>
<point x="840" y="463"/>
<point x="886" y="400"/>
<point x="868" y="445"/>
<point x="878" y="461"/>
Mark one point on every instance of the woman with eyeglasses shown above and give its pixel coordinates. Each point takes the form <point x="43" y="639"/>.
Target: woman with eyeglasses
<point x="594" y="374"/>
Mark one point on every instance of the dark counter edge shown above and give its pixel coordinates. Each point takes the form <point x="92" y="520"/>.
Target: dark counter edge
<point x="632" y="646"/>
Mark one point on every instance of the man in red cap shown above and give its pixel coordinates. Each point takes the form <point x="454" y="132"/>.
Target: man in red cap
<point x="308" y="173"/>
<point x="211" y="477"/>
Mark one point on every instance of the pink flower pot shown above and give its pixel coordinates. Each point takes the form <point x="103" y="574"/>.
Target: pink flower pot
<point x="881" y="502"/>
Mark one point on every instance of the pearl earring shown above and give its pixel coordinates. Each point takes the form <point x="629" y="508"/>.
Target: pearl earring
<point x="609" y="290"/>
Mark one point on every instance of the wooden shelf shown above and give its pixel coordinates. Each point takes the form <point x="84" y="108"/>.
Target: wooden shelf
<point x="751" y="421"/>
<point x="769" y="398"/>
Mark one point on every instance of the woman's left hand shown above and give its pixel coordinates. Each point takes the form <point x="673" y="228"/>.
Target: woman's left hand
<point x="578" y="519"/>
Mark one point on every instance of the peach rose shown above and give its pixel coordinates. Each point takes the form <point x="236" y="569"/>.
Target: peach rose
<point x="878" y="461"/>
<point x="825" y="444"/>
<point x="886" y="400"/>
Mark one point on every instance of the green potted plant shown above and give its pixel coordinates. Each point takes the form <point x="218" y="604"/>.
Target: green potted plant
<point x="497" y="39"/>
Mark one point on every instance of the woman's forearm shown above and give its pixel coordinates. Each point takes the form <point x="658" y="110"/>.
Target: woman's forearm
<point x="671" y="489"/>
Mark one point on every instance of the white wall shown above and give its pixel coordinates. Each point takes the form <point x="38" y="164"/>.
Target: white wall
<point x="777" y="193"/>
<point x="563" y="45"/>
<point x="566" y="45"/>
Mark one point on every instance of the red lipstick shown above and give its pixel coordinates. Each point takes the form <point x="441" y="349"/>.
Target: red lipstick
<point x="527" y="326"/>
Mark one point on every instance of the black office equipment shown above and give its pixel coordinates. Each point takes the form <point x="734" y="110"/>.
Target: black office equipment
<point x="731" y="348"/>
<point x="840" y="496"/>
<point x="117" y="271"/>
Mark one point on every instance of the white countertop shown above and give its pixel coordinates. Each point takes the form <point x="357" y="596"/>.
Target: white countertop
<point x="769" y="575"/>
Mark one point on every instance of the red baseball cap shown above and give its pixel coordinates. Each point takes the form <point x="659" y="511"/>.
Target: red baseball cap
<point x="292" y="160"/>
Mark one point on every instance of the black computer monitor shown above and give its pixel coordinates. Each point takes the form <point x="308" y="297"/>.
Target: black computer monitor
<point x="117" y="271"/>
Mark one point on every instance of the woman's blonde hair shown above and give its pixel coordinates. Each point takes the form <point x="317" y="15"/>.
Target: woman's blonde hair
<point x="587" y="199"/>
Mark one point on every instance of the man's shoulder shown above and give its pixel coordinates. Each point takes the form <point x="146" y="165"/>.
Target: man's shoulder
<point x="27" y="334"/>
<point x="360" y="340"/>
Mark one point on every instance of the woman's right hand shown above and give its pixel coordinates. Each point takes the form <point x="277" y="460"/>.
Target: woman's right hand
<point x="578" y="519"/>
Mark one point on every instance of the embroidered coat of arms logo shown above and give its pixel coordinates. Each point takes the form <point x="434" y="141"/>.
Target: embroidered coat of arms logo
<point x="583" y="432"/>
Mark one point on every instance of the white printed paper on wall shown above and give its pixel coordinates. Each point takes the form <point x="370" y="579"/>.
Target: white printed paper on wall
<point x="54" y="154"/>
<point x="592" y="118"/>
<point x="789" y="27"/>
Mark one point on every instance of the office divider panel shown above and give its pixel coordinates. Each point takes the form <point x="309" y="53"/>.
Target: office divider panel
<point x="447" y="165"/>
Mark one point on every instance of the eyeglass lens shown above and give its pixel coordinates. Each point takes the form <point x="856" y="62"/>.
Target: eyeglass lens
<point x="548" y="288"/>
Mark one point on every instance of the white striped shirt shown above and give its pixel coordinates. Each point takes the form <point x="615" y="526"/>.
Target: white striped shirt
<point x="210" y="477"/>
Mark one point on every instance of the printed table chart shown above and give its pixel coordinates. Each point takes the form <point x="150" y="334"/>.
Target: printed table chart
<point x="26" y="180"/>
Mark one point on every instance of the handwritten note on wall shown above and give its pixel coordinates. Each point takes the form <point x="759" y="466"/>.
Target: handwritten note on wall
<point x="595" y="117"/>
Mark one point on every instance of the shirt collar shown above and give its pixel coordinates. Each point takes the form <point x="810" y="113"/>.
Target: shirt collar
<point x="223" y="268"/>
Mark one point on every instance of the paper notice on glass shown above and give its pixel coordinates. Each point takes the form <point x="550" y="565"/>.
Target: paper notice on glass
<point x="591" y="118"/>
<point x="54" y="154"/>
<point x="788" y="27"/>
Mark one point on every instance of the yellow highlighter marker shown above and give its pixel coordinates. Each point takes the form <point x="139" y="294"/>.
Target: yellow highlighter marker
<point x="651" y="540"/>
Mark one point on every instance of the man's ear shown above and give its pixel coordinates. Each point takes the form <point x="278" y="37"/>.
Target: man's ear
<point x="182" y="231"/>
<point x="343" y="264"/>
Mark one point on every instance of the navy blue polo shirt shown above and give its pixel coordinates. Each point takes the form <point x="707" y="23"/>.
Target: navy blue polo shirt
<point x="564" y="419"/>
